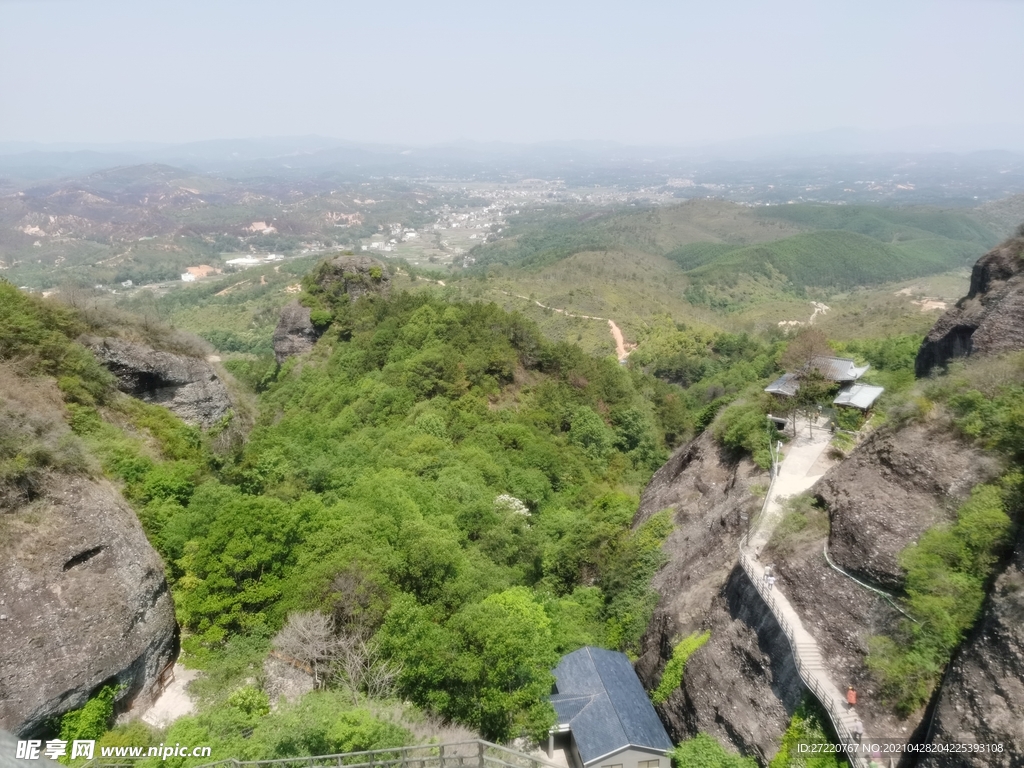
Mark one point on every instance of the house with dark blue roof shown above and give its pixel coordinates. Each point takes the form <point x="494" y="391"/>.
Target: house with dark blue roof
<point x="604" y="713"/>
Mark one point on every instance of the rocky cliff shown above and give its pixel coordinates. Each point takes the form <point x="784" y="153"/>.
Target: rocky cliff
<point x="893" y="487"/>
<point x="742" y="686"/>
<point x="982" y="697"/>
<point x="295" y="333"/>
<point x="188" y="386"/>
<point x="341" y="279"/>
<point x="354" y="276"/>
<point x="83" y="603"/>
<point x="989" y="319"/>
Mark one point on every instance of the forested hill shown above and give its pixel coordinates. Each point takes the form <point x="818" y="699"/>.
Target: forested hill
<point x="802" y="244"/>
<point x="451" y="488"/>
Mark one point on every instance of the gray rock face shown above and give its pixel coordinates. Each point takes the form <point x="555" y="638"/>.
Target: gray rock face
<point x="295" y="333"/>
<point x="186" y="385"/>
<point x="343" y="278"/>
<point x="354" y="275"/>
<point x="895" y="486"/>
<point x="84" y="603"/>
<point x="989" y="319"/>
<point x="982" y="698"/>
<point x="742" y="686"/>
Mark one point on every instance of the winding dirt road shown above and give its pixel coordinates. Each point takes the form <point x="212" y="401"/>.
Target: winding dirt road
<point x="622" y="349"/>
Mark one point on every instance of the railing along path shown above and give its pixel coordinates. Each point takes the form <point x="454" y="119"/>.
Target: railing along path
<point x="809" y="664"/>
<point x="806" y="656"/>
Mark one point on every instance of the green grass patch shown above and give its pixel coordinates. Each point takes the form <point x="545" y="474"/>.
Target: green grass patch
<point x="806" y="727"/>
<point x="705" y="751"/>
<point x="672" y="677"/>
<point x="946" y="576"/>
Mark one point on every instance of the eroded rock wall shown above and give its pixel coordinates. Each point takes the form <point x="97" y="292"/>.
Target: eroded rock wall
<point x="989" y="319"/>
<point x="742" y="686"/>
<point x="83" y="601"/>
<point x="188" y="386"/>
<point x="893" y="487"/>
<point x="295" y="333"/>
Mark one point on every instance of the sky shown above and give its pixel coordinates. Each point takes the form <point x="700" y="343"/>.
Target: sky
<point x="673" y="73"/>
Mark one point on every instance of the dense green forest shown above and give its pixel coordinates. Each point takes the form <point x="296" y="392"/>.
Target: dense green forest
<point x="807" y="245"/>
<point x="437" y="481"/>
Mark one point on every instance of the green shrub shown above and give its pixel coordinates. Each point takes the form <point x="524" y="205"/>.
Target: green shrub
<point x="807" y="726"/>
<point x="672" y="677"/>
<point x="745" y="427"/>
<point x="946" y="574"/>
<point x="90" y="721"/>
<point x="704" y="751"/>
<point x="321" y="318"/>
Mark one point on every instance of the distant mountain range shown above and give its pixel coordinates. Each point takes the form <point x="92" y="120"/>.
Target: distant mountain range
<point x="974" y="146"/>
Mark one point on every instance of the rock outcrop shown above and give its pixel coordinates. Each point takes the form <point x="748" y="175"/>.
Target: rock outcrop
<point x="343" y="278"/>
<point x="188" y="386"/>
<point x="893" y="487"/>
<point x="353" y="275"/>
<point x="989" y="319"/>
<point x="295" y="333"/>
<point x="982" y="697"/>
<point x="742" y="685"/>
<point x="83" y="603"/>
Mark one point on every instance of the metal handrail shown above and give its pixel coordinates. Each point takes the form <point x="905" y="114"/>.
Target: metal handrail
<point x="883" y="594"/>
<point x="826" y="698"/>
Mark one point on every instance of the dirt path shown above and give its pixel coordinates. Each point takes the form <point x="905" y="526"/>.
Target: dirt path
<point x="175" y="700"/>
<point x="620" y="342"/>
<point x="622" y="348"/>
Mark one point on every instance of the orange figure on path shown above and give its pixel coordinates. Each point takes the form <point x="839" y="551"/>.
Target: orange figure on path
<point x="851" y="697"/>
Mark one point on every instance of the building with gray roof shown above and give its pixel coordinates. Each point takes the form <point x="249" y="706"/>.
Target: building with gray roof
<point x="605" y="714"/>
<point x="841" y="370"/>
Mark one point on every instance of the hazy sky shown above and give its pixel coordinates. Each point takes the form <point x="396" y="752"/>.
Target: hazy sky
<point x="676" y="72"/>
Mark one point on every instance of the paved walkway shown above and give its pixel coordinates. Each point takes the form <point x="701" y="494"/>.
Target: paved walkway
<point x="799" y="470"/>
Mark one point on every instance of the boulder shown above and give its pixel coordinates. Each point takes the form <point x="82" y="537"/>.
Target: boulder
<point x="989" y="319"/>
<point x="295" y="333"/>
<point x="188" y="386"/>
<point x="83" y="603"/>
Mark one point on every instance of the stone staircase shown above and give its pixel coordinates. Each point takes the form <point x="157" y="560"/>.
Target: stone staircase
<point x="794" y="475"/>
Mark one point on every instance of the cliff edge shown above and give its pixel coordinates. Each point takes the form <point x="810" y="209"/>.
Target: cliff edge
<point x="83" y="598"/>
<point x="989" y="319"/>
<point x="742" y="686"/>
<point x="188" y="386"/>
